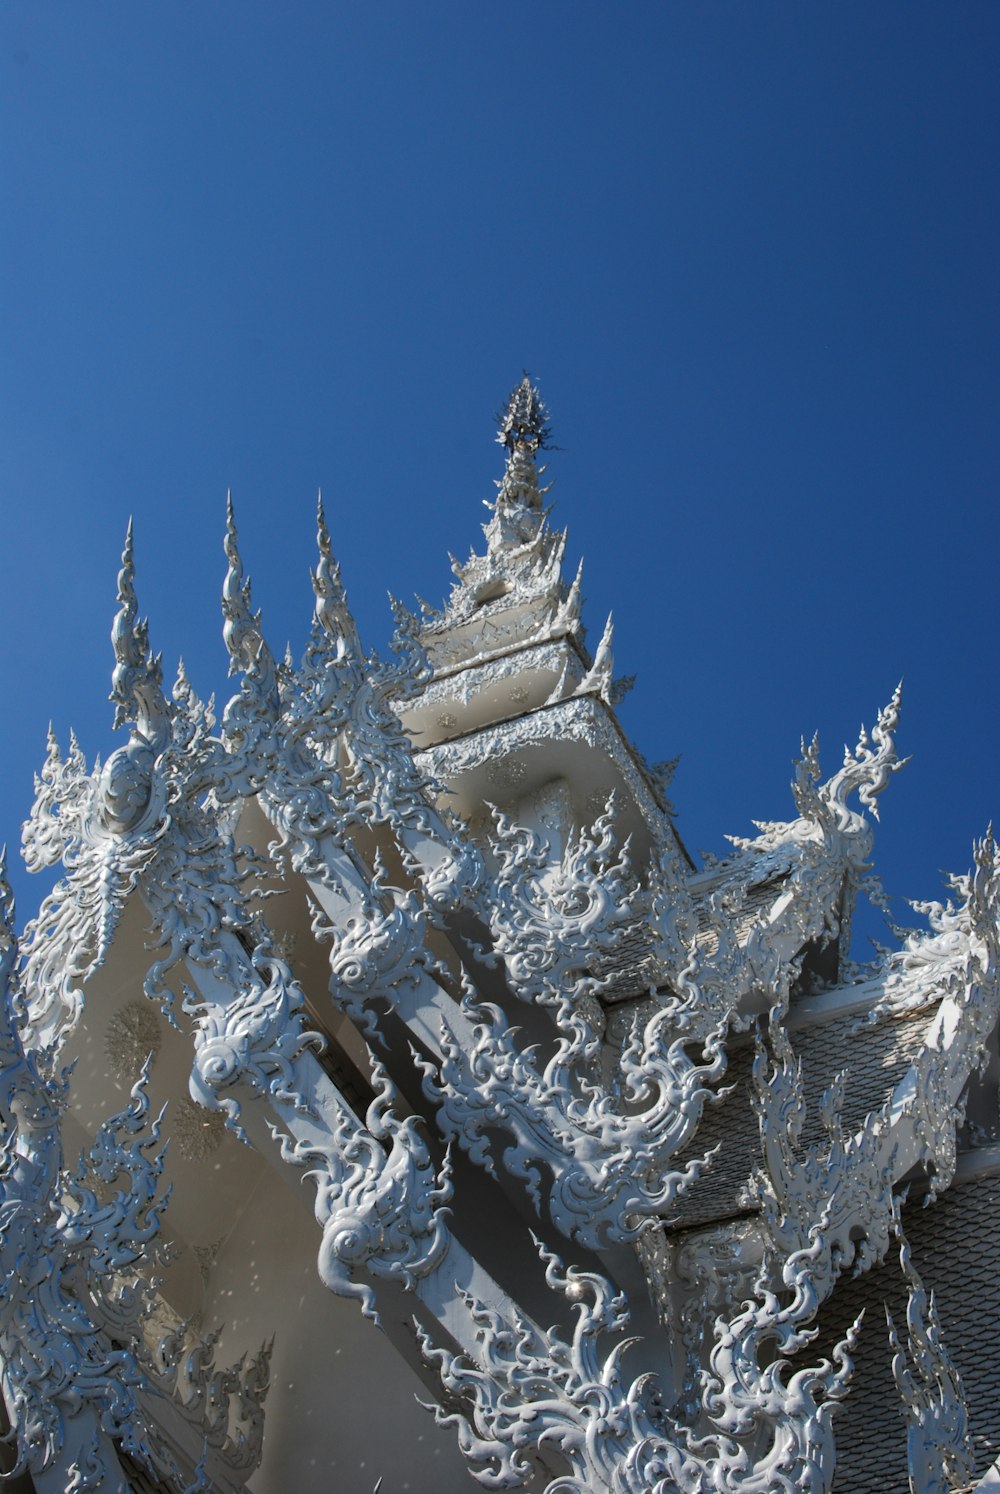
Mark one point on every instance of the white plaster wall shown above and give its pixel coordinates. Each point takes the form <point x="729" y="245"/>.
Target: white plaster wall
<point x="341" y="1411"/>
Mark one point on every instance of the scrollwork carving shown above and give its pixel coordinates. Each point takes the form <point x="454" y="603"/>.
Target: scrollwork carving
<point x="610" y="1167"/>
<point x="378" y="947"/>
<point x="74" y="1300"/>
<point x="380" y="1202"/>
<point x="767" y="1426"/>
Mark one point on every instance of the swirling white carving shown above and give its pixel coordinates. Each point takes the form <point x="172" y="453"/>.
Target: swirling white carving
<point x="75" y="1301"/>
<point x="609" y="1166"/>
<point x="938" y="1441"/>
<point x="853" y="1177"/>
<point x="768" y="1427"/>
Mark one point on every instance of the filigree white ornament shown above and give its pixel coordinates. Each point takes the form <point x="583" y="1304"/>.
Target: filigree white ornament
<point x="75" y="1303"/>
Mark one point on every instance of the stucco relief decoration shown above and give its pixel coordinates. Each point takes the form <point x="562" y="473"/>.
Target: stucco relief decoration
<point x="198" y="1133"/>
<point x="509" y="773"/>
<point x="132" y="1036"/>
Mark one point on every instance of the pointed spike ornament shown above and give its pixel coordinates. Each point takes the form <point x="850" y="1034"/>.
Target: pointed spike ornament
<point x="123" y="630"/>
<point x="599" y="677"/>
<point x="241" y="629"/>
<point x="248" y="720"/>
<point x="235" y="590"/>
<point x="567" y="616"/>
<point x="137" y="678"/>
<point x="574" y="597"/>
<point x="7" y="941"/>
<point x="604" y="648"/>
<point x="332" y="611"/>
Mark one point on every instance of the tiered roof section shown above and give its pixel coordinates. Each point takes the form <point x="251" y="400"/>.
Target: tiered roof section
<point x="515" y="703"/>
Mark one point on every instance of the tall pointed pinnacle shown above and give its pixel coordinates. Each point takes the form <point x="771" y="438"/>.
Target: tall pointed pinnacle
<point x="524" y="420"/>
<point x="241" y="627"/>
<point x="332" y="612"/>
<point x="125" y="631"/>
<point x="523" y="431"/>
<point x="137" y="678"/>
<point x="9" y="985"/>
<point x="598" y="680"/>
<point x="7" y="938"/>
<point x="523" y="559"/>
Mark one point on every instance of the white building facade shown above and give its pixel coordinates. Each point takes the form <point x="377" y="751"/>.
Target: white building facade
<point x="478" y="1091"/>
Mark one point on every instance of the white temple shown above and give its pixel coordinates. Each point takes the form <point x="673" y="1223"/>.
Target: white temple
<point x="381" y="1044"/>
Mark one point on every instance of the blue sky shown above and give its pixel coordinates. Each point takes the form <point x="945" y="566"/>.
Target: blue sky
<point x="748" y="250"/>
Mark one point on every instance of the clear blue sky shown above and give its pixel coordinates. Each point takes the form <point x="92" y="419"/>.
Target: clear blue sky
<point x="749" y="251"/>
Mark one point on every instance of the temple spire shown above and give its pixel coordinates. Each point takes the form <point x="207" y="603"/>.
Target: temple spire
<point x="523" y="430"/>
<point x="524" y="420"/>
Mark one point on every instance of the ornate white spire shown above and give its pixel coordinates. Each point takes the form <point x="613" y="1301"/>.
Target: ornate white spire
<point x="524" y="420"/>
<point x="523" y="431"/>
<point x="241" y="630"/>
<point x="137" y="680"/>
<point x="332" y="611"/>
<point x="252" y="711"/>
<point x="521" y="571"/>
